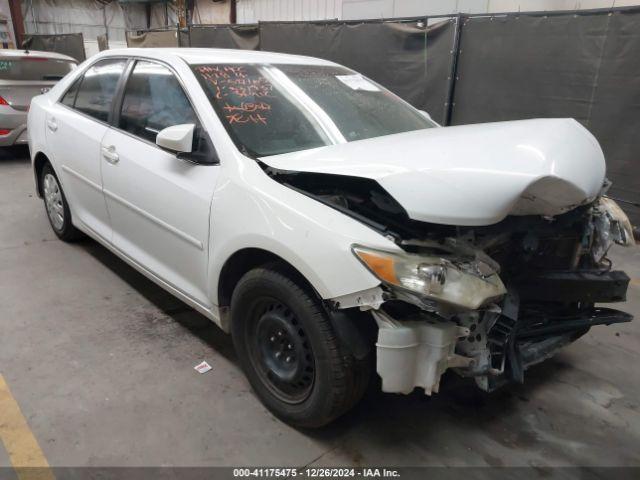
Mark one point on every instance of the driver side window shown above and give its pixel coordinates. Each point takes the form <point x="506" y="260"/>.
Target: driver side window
<point x="153" y="100"/>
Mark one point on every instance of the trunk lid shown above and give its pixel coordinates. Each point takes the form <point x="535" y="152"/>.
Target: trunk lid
<point x="19" y="94"/>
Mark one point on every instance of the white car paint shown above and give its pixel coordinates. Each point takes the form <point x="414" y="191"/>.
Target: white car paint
<point x="472" y="174"/>
<point x="178" y="138"/>
<point x="179" y="223"/>
<point x="74" y="140"/>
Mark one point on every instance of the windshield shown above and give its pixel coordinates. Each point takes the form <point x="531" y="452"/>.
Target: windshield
<point x="273" y="109"/>
<point x="34" y="68"/>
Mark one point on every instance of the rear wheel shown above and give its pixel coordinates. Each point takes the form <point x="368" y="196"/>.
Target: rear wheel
<point x="289" y="351"/>
<point x="56" y="206"/>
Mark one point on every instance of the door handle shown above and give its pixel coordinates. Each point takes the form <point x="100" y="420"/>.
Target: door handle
<point x="110" y="155"/>
<point x="51" y="123"/>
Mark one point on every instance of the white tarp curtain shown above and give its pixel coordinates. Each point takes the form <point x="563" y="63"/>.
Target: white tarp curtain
<point x="90" y="17"/>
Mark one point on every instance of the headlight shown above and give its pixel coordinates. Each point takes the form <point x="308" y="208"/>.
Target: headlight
<point x="609" y="225"/>
<point x="467" y="284"/>
<point x="620" y="226"/>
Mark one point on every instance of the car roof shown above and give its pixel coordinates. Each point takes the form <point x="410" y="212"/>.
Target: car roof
<point x="198" y="56"/>
<point x="35" y="53"/>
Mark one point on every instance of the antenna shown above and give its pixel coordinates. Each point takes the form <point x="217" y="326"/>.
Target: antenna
<point x="26" y="44"/>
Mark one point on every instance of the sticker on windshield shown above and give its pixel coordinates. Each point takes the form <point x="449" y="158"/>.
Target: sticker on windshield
<point x="357" y="82"/>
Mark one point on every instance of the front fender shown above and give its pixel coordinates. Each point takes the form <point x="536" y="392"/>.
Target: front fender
<point x="253" y="211"/>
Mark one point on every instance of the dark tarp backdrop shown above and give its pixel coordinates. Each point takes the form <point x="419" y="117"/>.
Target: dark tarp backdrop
<point x="153" y="38"/>
<point x="615" y="114"/>
<point x="526" y="67"/>
<point x="71" y="44"/>
<point x="441" y="38"/>
<point x="245" y="37"/>
<point x="580" y="65"/>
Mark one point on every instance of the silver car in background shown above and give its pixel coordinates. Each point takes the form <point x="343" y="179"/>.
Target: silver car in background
<point x="23" y="75"/>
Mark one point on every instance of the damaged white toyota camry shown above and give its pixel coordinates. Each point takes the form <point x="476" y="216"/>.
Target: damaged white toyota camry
<point x="330" y="227"/>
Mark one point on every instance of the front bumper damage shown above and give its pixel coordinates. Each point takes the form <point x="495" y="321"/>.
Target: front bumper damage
<point x="524" y="333"/>
<point x="494" y="346"/>
<point x="552" y="274"/>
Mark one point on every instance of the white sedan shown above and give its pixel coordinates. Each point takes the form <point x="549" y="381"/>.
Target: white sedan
<point x="330" y="227"/>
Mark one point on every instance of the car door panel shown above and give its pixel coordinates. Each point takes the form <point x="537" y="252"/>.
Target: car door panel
<point x="159" y="208"/>
<point x="75" y="127"/>
<point x="76" y="149"/>
<point x="159" y="205"/>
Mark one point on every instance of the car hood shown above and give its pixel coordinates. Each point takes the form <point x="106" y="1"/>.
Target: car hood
<point x="472" y="174"/>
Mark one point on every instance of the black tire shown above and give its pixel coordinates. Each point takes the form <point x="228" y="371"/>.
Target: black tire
<point x="63" y="229"/>
<point x="266" y="301"/>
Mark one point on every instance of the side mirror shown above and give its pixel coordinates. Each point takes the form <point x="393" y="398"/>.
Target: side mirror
<point x="177" y="138"/>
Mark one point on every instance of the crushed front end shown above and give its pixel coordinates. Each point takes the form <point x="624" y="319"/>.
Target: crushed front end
<point x="491" y="301"/>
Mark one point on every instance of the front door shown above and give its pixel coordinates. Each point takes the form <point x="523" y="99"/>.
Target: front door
<point x="159" y="204"/>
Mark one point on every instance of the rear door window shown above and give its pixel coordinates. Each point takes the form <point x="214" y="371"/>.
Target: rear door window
<point x="34" y="68"/>
<point x="153" y="100"/>
<point x="98" y="88"/>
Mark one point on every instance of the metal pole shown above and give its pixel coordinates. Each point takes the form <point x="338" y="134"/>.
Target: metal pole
<point x="233" y="11"/>
<point x="453" y="75"/>
<point x="104" y="22"/>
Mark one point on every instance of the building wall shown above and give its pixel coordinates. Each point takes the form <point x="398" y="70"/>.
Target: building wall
<point x="83" y="16"/>
<point x="251" y="11"/>
<point x="91" y="18"/>
<point x="8" y="38"/>
<point x="208" y="12"/>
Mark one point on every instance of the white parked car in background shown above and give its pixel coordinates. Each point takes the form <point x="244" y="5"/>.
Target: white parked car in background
<point x="23" y="75"/>
<point x="332" y="228"/>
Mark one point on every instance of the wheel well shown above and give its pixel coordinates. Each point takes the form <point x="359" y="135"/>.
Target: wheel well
<point x="356" y="330"/>
<point x="39" y="162"/>
<point x="247" y="259"/>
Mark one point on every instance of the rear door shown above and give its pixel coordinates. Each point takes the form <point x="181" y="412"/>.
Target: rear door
<point x="159" y="204"/>
<point x="75" y="128"/>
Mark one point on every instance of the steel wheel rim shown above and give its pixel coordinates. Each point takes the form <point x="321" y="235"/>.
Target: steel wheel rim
<point x="53" y="201"/>
<point x="280" y="351"/>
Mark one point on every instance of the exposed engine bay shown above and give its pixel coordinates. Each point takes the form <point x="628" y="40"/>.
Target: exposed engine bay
<point x="486" y="301"/>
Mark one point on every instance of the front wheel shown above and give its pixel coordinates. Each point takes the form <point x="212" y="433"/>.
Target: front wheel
<point x="289" y="351"/>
